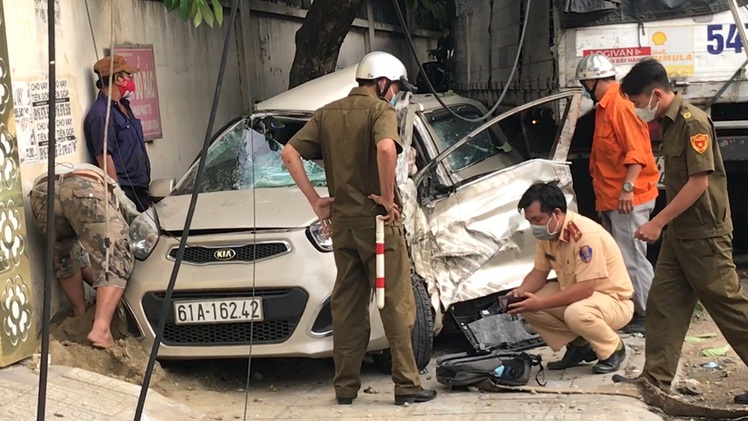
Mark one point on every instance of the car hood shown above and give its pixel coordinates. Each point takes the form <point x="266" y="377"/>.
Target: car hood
<point x="282" y="207"/>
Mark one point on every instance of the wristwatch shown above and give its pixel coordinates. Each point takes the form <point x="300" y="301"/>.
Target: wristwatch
<point x="628" y="187"/>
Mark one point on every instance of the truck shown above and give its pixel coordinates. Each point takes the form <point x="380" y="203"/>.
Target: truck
<point x="698" y="42"/>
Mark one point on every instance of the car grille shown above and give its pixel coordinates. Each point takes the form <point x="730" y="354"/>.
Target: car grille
<point x="273" y="331"/>
<point x="246" y="253"/>
<point x="282" y="308"/>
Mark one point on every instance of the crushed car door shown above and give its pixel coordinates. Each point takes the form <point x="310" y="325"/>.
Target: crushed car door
<point x="468" y="239"/>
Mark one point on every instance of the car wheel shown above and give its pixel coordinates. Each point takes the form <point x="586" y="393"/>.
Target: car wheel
<point x="422" y="334"/>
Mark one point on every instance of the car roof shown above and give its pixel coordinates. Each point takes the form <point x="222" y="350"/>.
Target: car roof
<point x="312" y="95"/>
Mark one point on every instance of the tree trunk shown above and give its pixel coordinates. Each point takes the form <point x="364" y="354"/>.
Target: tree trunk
<point x="319" y="39"/>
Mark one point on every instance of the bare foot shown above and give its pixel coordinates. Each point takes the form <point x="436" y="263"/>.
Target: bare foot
<point x="101" y="340"/>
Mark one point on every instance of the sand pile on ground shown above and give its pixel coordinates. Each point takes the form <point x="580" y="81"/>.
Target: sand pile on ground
<point x="126" y="360"/>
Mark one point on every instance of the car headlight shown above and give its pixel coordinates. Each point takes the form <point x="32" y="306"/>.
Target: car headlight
<point x="316" y="235"/>
<point x="144" y="235"/>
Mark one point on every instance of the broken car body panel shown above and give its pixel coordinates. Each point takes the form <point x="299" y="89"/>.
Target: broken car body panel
<point x="474" y="242"/>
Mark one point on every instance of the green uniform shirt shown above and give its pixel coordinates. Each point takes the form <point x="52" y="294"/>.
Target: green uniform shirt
<point x="688" y="145"/>
<point x="345" y="133"/>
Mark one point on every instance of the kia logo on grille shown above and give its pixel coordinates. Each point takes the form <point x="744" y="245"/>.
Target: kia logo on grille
<point x="224" y="254"/>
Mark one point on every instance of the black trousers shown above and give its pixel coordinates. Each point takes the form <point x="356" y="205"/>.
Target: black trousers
<point x="139" y="196"/>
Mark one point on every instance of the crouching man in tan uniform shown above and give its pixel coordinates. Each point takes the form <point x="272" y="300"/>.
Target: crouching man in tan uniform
<point x="592" y="298"/>
<point x="84" y="199"/>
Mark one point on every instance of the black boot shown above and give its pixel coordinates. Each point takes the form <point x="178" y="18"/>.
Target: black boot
<point x="574" y="355"/>
<point x="636" y="325"/>
<point x="741" y="399"/>
<point x="424" y="395"/>
<point x="612" y="363"/>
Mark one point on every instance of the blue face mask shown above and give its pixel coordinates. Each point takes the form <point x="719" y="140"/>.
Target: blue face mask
<point x="393" y="101"/>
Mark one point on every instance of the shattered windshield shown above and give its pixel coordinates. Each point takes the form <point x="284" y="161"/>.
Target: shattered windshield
<point x="448" y="130"/>
<point x="243" y="158"/>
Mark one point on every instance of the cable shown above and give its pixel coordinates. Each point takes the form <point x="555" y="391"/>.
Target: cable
<point x="90" y="26"/>
<point x="107" y="240"/>
<point x="431" y="86"/>
<point x="245" y="19"/>
<point x="50" y="244"/>
<point x="188" y="218"/>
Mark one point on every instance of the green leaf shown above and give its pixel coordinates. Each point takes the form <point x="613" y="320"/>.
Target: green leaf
<point x="428" y="5"/>
<point x="184" y="8"/>
<point x="206" y="12"/>
<point x="716" y="352"/>
<point x="218" y="11"/>
<point x="198" y="18"/>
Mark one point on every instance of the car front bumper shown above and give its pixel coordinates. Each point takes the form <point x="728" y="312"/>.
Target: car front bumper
<point x="295" y="288"/>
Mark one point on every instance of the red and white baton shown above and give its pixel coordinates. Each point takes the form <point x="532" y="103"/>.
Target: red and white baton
<point x="380" y="262"/>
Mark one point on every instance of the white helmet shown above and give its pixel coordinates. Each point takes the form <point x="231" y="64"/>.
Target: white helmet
<point x="595" y="66"/>
<point x="378" y="64"/>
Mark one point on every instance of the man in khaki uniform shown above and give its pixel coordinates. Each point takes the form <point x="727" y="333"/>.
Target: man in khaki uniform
<point x="695" y="261"/>
<point x="82" y="200"/>
<point x="358" y="140"/>
<point x="592" y="298"/>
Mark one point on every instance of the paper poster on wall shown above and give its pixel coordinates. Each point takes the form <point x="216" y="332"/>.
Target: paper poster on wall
<point x="64" y="130"/>
<point x="28" y="150"/>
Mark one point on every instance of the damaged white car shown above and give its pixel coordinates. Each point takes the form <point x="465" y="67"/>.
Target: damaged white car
<point x="256" y="271"/>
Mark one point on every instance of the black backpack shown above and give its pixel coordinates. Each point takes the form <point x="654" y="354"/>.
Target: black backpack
<point x="464" y="369"/>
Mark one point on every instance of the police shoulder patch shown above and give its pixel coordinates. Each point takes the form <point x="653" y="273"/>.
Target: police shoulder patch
<point x="700" y="142"/>
<point x="585" y="253"/>
<point x="576" y="234"/>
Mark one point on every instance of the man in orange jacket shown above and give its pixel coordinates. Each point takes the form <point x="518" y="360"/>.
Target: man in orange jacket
<point x="624" y="174"/>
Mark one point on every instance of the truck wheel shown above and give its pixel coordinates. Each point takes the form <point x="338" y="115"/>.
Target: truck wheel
<point x="422" y="334"/>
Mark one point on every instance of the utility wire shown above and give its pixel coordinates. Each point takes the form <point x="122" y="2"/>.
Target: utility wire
<point x="49" y="273"/>
<point x="414" y="50"/>
<point x="188" y="219"/>
<point x="245" y="11"/>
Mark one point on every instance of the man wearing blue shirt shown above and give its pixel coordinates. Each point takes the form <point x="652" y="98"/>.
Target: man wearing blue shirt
<point x="125" y="154"/>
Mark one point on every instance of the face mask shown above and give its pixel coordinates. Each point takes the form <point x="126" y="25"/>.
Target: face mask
<point x="542" y="232"/>
<point x="590" y="92"/>
<point x="126" y="90"/>
<point x="648" y="113"/>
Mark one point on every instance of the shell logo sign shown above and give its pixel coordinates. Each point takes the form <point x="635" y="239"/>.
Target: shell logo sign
<point x="659" y="38"/>
<point x="673" y="47"/>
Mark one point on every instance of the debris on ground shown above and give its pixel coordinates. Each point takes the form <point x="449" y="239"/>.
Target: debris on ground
<point x="126" y="360"/>
<point x="716" y="352"/>
<point x="691" y="387"/>
<point x="700" y="338"/>
<point x="371" y="390"/>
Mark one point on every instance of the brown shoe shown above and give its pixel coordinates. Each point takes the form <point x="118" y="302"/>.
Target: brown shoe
<point x="424" y="395"/>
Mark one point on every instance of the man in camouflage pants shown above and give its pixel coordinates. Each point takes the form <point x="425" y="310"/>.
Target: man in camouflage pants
<point x="83" y="201"/>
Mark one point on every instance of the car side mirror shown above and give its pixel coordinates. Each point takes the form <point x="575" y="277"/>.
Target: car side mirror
<point x="160" y="188"/>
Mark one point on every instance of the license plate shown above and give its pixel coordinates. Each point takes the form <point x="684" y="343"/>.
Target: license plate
<point x="661" y="168"/>
<point x="235" y="310"/>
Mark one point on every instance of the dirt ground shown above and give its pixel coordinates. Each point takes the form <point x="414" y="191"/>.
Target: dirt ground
<point x="212" y="386"/>
<point x="126" y="361"/>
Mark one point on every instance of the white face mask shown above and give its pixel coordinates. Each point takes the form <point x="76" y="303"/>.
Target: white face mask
<point x="648" y="113"/>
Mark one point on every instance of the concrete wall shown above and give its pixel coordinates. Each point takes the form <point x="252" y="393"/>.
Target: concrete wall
<point x="187" y="61"/>
<point x="271" y="30"/>
<point x="486" y="40"/>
